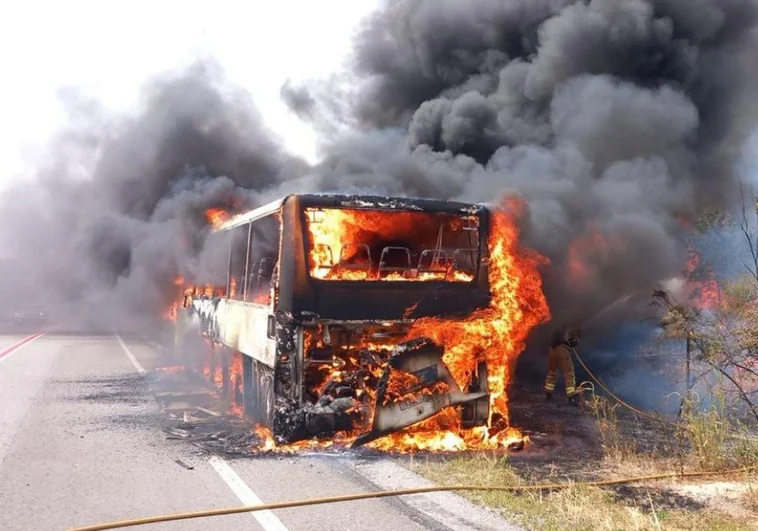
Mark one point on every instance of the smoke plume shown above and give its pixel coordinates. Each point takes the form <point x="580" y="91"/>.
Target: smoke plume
<point x="615" y="120"/>
<point x="116" y="211"/>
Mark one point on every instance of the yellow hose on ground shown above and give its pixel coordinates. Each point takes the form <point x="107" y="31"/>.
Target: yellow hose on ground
<point x="388" y="493"/>
<point x="619" y="400"/>
<point x="647" y="414"/>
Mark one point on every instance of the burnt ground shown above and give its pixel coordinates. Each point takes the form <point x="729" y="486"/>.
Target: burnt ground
<point x="565" y="438"/>
<point x="562" y="437"/>
<point x="667" y="499"/>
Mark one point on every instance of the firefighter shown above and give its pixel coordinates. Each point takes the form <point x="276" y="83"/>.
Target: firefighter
<point x="559" y="357"/>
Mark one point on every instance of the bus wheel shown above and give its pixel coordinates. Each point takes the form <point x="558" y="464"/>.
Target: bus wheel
<point x="266" y="395"/>
<point x="258" y="391"/>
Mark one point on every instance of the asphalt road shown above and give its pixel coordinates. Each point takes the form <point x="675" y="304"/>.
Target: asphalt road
<point x="80" y="445"/>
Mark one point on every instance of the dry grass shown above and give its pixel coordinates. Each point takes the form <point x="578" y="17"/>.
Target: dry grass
<point x="705" y="439"/>
<point x="577" y="507"/>
<point x="707" y="442"/>
<point x="615" y="447"/>
<point x="706" y="432"/>
<point x="750" y="497"/>
<point x="715" y="440"/>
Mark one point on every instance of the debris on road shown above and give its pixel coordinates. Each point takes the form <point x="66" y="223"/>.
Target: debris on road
<point x="183" y="464"/>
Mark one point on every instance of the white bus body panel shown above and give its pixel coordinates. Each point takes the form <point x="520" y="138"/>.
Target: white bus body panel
<point x="243" y="327"/>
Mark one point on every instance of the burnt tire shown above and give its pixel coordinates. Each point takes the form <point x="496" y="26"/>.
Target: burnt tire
<point x="258" y="392"/>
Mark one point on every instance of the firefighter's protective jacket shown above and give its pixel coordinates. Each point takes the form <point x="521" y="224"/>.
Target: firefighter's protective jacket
<point x="560" y="357"/>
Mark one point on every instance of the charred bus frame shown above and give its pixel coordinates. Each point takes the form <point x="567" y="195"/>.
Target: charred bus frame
<point x="294" y="330"/>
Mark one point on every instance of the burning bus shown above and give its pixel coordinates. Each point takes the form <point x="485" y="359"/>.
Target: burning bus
<point x="340" y="313"/>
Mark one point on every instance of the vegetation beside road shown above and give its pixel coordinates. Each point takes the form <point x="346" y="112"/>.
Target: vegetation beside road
<point x="719" y="503"/>
<point x="716" y="428"/>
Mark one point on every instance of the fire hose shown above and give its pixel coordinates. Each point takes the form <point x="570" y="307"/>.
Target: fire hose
<point x="582" y="387"/>
<point x="613" y="395"/>
<point x="404" y="492"/>
<point x="653" y="416"/>
<point x="443" y="488"/>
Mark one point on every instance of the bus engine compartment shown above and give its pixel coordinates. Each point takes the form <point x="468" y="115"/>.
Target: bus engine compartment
<point x="366" y="380"/>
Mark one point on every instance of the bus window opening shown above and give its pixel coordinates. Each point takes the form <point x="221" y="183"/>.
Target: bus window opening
<point x="391" y="245"/>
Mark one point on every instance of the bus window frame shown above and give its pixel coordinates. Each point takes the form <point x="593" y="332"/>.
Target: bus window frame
<point x="241" y="290"/>
<point x="246" y="297"/>
<point x="378" y="282"/>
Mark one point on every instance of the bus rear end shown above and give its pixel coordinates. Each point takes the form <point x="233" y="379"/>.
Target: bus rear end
<point x="358" y="275"/>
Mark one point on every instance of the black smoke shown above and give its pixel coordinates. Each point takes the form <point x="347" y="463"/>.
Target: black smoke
<point x="614" y="119"/>
<point x="116" y="211"/>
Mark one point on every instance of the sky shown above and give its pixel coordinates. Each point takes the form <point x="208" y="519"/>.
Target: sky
<point x="109" y="49"/>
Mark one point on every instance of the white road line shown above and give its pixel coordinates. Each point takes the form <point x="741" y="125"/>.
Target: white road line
<point x="137" y="365"/>
<point x="267" y="519"/>
<point x="446" y="508"/>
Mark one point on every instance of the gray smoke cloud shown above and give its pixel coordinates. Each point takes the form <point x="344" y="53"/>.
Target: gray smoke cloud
<point x="116" y="211"/>
<point x="613" y="119"/>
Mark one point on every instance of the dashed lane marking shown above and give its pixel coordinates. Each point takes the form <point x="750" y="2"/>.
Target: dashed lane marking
<point x="266" y="519"/>
<point x="137" y="365"/>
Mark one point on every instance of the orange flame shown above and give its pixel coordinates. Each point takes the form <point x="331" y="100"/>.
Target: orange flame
<point x="496" y="334"/>
<point x="171" y="311"/>
<point x="584" y="251"/>
<point x="216" y="216"/>
<point x="341" y="243"/>
<point x="705" y="293"/>
<point x="236" y="385"/>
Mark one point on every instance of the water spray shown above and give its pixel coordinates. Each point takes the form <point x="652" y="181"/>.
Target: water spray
<point x="608" y="308"/>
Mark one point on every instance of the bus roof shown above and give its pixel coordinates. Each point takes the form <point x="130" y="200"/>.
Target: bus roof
<point x="252" y="215"/>
<point x="356" y="202"/>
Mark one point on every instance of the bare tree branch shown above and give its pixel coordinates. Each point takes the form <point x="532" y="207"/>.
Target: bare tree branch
<point x="741" y="391"/>
<point x="744" y="225"/>
<point x="746" y="369"/>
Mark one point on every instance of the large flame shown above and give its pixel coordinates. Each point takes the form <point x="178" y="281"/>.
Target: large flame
<point x="496" y="334"/>
<point x="340" y="236"/>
